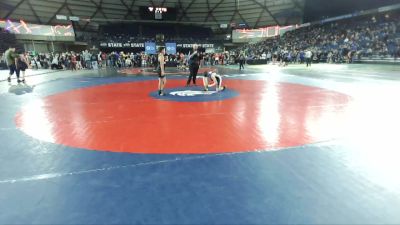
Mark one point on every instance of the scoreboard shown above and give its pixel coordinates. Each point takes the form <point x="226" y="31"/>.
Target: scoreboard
<point x="157" y="13"/>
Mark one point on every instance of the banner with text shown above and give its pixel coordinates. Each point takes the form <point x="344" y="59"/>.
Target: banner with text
<point x="198" y="45"/>
<point x="152" y="46"/>
<point x="121" y="45"/>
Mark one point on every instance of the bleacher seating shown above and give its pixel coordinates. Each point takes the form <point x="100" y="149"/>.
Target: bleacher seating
<point x="372" y="36"/>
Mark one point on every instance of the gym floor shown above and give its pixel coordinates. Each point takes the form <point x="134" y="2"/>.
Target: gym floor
<point x="290" y="145"/>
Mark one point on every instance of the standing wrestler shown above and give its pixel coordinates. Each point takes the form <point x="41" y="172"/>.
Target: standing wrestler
<point x="22" y="65"/>
<point x="162" y="80"/>
<point x="194" y="63"/>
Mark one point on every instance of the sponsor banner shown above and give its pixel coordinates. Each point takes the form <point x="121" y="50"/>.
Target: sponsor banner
<point x="170" y="48"/>
<point x="25" y="28"/>
<point x="150" y="47"/>
<point x="304" y="25"/>
<point x="191" y="45"/>
<point x="143" y="45"/>
<point x="121" y="45"/>
<point x="247" y="35"/>
<point x="389" y="8"/>
<point x="337" y="18"/>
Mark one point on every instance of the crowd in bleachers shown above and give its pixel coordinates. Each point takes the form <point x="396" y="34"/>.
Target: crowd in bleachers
<point x="118" y="60"/>
<point x="334" y="42"/>
<point x="340" y="41"/>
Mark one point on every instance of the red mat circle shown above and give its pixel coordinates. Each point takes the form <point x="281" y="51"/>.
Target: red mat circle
<point x="122" y="117"/>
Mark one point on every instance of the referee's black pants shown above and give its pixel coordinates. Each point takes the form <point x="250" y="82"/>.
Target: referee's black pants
<point x="308" y="61"/>
<point x="193" y="68"/>
<point x="241" y="64"/>
<point x="13" y="69"/>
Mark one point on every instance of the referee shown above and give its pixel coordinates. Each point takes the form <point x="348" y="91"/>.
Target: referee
<point x="194" y="62"/>
<point x="12" y="63"/>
